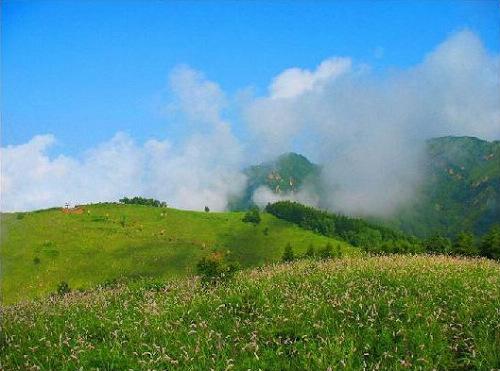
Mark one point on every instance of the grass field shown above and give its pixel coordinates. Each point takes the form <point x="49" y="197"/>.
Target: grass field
<point x="107" y="241"/>
<point x="394" y="313"/>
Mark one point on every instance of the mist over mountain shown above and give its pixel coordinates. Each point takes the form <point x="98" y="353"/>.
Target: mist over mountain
<point x="460" y="191"/>
<point x="290" y="176"/>
<point x="366" y="128"/>
<point x="460" y="188"/>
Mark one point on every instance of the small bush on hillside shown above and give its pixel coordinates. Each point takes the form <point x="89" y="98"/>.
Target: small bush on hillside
<point x="266" y="231"/>
<point x="252" y="216"/>
<point x="36" y="260"/>
<point x="63" y="288"/>
<point x="207" y="209"/>
<point x="19" y="216"/>
<point x="330" y="252"/>
<point x="326" y="252"/>
<point x="213" y="269"/>
<point x="310" y="253"/>
<point x="288" y="254"/>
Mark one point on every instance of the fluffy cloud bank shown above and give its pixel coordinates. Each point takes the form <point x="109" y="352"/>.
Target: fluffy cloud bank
<point x="203" y="170"/>
<point x="366" y="129"/>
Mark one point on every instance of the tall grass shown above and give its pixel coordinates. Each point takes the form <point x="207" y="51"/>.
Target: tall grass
<point x="373" y="312"/>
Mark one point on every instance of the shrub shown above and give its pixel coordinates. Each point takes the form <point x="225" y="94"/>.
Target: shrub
<point x="266" y="231"/>
<point x="207" y="209"/>
<point x="326" y="252"/>
<point x="63" y="288"/>
<point x="19" y="216"/>
<point x="310" y="253"/>
<point x="213" y="269"/>
<point x="252" y="216"/>
<point x="288" y="254"/>
<point x="36" y="260"/>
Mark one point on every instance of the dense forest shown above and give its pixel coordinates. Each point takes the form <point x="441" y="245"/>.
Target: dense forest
<point x="379" y="239"/>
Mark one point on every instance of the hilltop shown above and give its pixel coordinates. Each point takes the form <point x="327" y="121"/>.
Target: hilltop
<point x="393" y="312"/>
<point x="102" y="242"/>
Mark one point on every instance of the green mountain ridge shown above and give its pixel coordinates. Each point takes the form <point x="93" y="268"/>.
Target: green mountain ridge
<point x="287" y="173"/>
<point x="460" y="189"/>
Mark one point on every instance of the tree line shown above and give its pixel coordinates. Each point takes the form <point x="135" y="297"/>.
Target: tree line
<point x="143" y="201"/>
<point x="379" y="239"/>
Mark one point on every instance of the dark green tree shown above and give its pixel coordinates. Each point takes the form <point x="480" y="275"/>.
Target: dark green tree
<point x="252" y="216"/>
<point x="490" y="243"/>
<point x="437" y="244"/>
<point x="464" y="245"/>
<point x="207" y="209"/>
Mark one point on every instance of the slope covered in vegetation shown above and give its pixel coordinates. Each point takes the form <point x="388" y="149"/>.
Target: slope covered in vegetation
<point x="393" y="312"/>
<point x="97" y="243"/>
<point x="358" y="232"/>
<point x="460" y="188"/>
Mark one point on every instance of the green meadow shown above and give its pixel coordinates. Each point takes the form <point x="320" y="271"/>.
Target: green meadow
<point x="389" y="313"/>
<point x="114" y="241"/>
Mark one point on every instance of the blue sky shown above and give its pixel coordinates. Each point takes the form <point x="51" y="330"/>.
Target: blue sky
<point x="83" y="70"/>
<point x="173" y="99"/>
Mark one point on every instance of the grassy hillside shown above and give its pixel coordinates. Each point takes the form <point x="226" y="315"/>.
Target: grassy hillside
<point x="41" y="249"/>
<point x="375" y="313"/>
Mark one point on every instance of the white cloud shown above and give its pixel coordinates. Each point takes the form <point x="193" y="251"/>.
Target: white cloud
<point x="198" y="99"/>
<point x="365" y="129"/>
<point x="368" y="130"/>
<point x="263" y="195"/>
<point x="203" y="170"/>
<point x="295" y="81"/>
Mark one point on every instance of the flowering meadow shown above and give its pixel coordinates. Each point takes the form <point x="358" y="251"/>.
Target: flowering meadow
<point x="391" y="312"/>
